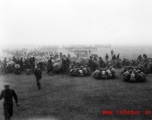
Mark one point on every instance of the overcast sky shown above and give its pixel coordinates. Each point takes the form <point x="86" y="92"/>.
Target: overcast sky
<point x="76" y="22"/>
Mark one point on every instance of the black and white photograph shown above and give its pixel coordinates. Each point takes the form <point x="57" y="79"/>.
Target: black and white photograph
<point x="75" y="60"/>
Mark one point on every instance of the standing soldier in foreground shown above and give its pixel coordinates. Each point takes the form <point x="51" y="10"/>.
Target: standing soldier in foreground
<point x="38" y="75"/>
<point x="8" y="95"/>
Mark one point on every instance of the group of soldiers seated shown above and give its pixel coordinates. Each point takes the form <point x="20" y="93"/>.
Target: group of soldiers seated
<point x="105" y="73"/>
<point x="16" y="68"/>
<point x="79" y="71"/>
<point x="17" y="65"/>
<point x="133" y="75"/>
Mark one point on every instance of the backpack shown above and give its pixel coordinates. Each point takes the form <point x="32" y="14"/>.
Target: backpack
<point x="132" y="77"/>
<point x="97" y="74"/>
<point x="103" y="74"/>
<point x="109" y="73"/>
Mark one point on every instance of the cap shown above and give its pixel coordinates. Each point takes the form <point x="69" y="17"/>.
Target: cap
<point x="6" y="85"/>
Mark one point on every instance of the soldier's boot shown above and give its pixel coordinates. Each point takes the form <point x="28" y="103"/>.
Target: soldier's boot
<point x="39" y="85"/>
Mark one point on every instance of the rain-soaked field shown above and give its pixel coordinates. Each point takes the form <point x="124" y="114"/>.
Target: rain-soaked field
<point x="73" y="98"/>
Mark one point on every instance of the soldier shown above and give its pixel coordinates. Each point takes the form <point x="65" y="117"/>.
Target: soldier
<point x="89" y="52"/>
<point x="8" y="95"/>
<point x="106" y="57"/>
<point x="114" y="57"/>
<point x="67" y="64"/>
<point x="5" y="64"/>
<point x="77" y="55"/>
<point x="50" y="65"/>
<point x="32" y="62"/>
<point x="64" y="66"/>
<point x="100" y="62"/>
<point x="38" y="75"/>
<point x="118" y="56"/>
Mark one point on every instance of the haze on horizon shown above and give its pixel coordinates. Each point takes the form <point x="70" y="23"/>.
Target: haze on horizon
<point x="66" y="22"/>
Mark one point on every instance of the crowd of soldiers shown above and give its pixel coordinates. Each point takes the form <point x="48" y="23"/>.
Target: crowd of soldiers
<point x="133" y="74"/>
<point x="81" y="51"/>
<point x="17" y="65"/>
<point x="46" y="62"/>
<point x="78" y="47"/>
<point x="114" y="56"/>
<point x="135" y="70"/>
<point x="80" y="71"/>
<point x="36" y="52"/>
<point x="105" y="73"/>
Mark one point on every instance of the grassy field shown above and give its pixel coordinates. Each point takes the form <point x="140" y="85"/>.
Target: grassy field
<point x="72" y="98"/>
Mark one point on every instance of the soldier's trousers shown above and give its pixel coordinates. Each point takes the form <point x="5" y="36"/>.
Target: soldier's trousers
<point x="8" y="110"/>
<point x="38" y="83"/>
